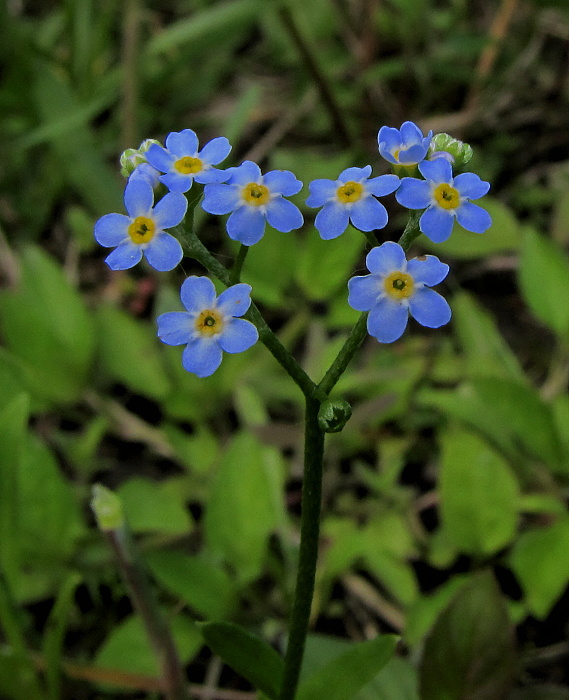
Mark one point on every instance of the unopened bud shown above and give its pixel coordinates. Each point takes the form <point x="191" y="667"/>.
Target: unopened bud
<point x="107" y="508"/>
<point x="333" y="415"/>
<point x="445" y="146"/>
<point x="133" y="157"/>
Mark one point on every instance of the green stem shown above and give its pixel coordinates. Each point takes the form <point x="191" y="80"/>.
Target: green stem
<point x="412" y="229"/>
<point x="308" y="554"/>
<point x="238" y="264"/>
<point x="344" y="357"/>
<point x="371" y="238"/>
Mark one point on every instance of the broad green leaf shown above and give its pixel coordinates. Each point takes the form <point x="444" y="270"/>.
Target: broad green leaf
<point x="470" y="651"/>
<point x="276" y="251"/>
<point x="540" y="562"/>
<point x="247" y="654"/>
<point x="544" y="281"/>
<point x="486" y="352"/>
<point x="479" y="495"/>
<point x="203" y="585"/>
<point x="350" y="671"/>
<point x="47" y="328"/>
<point x="242" y="487"/>
<point x="154" y="507"/>
<point x="129" y="352"/>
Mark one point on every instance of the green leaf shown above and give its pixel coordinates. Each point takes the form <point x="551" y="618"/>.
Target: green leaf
<point x="201" y="584"/>
<point x="158" y="507"/>
<point x="349" y="672"/>
<point x="470" y="651"/>
<point x="129" y="352"/>
<point x="544" y="281"/>
<point x="479" y="495"/>
<point x="540" y="563"/>
<point x="47" y="328"/>
<point x="247" y="654"/>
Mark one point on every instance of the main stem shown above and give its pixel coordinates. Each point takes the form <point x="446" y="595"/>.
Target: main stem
<point x="308" y="554"/>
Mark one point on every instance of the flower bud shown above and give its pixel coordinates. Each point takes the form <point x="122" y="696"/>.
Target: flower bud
<point x="455" y="151"/>
<point x="133" y="157"/>
<point x="107" y="508"/>
<point x="333" y="415"/>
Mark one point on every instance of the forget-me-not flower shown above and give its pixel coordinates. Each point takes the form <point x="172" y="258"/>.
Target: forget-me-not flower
<point x="183" y="162"/>
<point x="396" y="288"/>
<point x="445" y="199"/>
<point x="210" y="325"/>
<point x="252" y="199"/>
<point x="350" y="198"/>
<point x="405" y="146"/>
<point x="147" y="172"/>
<point x="142" y="231"/>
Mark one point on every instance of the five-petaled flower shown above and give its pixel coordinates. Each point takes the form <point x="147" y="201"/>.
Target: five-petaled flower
<point x="253" y="199"/>
<point x="142" y="231"/>
<point x="183" y="163"/>
<point x="350" y="198"/>
<point x="445" y="198"/>
<point x="396" y="288"/>
<point x="210" y="324"/>
<point x="405" y="146"/>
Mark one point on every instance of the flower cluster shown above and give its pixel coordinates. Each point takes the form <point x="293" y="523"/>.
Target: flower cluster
<point x="422" y="179"/>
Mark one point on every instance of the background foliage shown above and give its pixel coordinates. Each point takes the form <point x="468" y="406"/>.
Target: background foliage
<point x="444" y="512"/>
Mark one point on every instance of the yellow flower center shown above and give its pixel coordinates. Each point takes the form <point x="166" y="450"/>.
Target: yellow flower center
<point x="396" y="153"/>
<point x="446" y="196"/>
<point x="188" y="165"/>
<point x="399" y="285"/>
<point x="350" y="192"/>
<point x="142" y="230"/>
<point x="209" y="322"/>
<point x="255" y="194"/>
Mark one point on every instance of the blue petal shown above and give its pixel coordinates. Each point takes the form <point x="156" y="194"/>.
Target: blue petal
<point x="246" y="224"/>
<point x="355" y="174"/>
<point x="368" y="214"/>
<point x="125" y="256"/>
<point x="147" y="172"/>
<point x="210" y="175"/>
<point x="138" y="198"/>
<point x="414" y="193"/>
<point x="245" y="173"/>
<point x="164" y="252"/>
<point x="111" y="229"/>
<point x="388" y="139"/>
<point x="177" y="182"/>
<point x="182" y="143"/>
<point x="436" y="223"/>
<point x="170" y="210"/>
<point x="215" y="151"/>
<point x="387" y="320"/>
<point x="413" y="154"/>
<point x="332" y="220"/>
<point x="427" y="270"/>
<point x="202" y="356"/>
<point x="321" y="191"/>
<point x="160" y="158"/>
<point x="282" y="182"/>
<point x="221" y="199"/>
<point x="473" y="218"/>
<point x="364" y="292"/>
<point x="237" y="335"/>
<point x="429" y="308"/>
<point x="175" y="328"/>
<point x="470" y="185"/>
<point x="386" y="258"/>
<point x="437" y="171"/>
<point x="382" y="185"/>
<point x="235" y="300"/>
<point x="197" y="294"/>
<point x="410" y="134"/>
<point x="283" y="215"/>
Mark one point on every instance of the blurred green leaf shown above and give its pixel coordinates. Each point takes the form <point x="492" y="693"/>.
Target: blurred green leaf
<point x="247" y="654"/>
<point x="154" y="507"/>
<point x="479" y="495"/>
<point x="470" y="651"/>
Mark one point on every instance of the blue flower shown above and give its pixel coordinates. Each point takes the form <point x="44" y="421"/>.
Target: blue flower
<point x="396" y="288"/>
<point x="350" y="198"/>
<point x="405" y="146"/>
<point x="142" y="231"/>
<point x="183" y="163"/>
<point x="210" y="324"/>
<point x="445" y="198"/>
<point x="253" y="199"/>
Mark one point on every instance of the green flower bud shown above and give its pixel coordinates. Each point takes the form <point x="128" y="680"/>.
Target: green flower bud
<point x="133" y="157"/>
<point x="107" y="508"/>
<point x="333" y="415"/>
<point x="459" y="152"/>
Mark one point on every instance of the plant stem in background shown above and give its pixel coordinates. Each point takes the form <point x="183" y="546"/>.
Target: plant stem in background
<point x="130" y="77"/>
